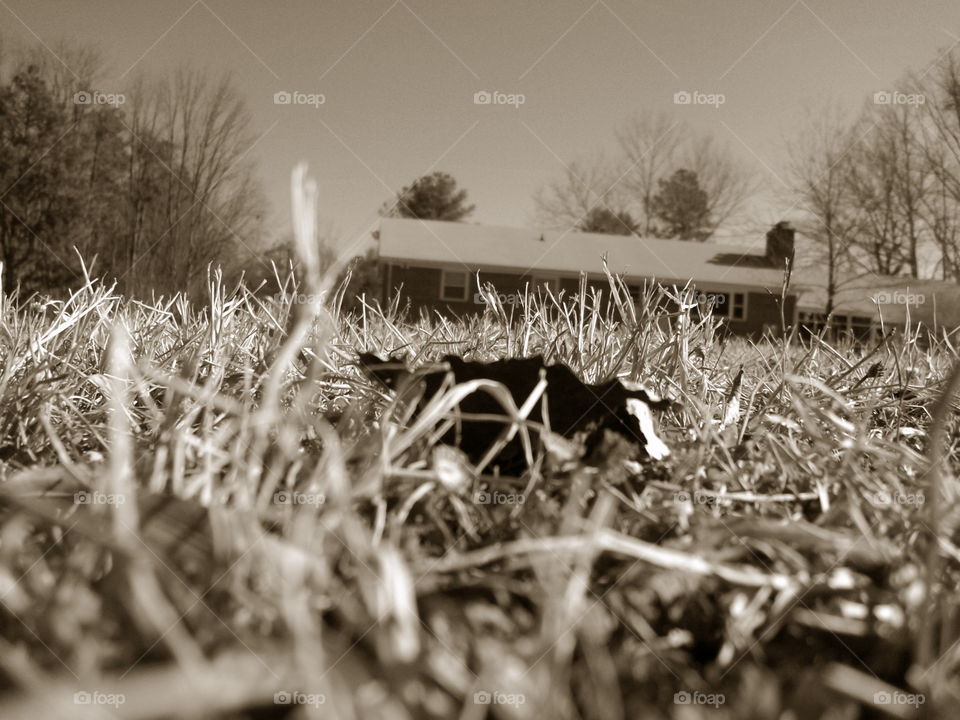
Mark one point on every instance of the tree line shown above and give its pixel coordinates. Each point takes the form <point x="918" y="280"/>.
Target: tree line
<point x="151" y="184"/>
<point x="662" y="180"/>
<point x="147" y="184"/>
<point x="880" y="190"/>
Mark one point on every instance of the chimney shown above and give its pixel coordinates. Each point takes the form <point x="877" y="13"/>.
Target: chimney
<point x="780" y="244"/>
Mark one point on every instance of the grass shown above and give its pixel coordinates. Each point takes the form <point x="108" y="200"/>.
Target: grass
<point x="209" y="511"/>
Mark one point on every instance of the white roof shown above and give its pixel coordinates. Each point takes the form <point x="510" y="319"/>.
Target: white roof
<point x="894" y="299"/>
<point x="476" y="247"/>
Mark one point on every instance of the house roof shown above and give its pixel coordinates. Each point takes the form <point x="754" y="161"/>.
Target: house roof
<point x="932" y="302"/>
<point x="475" y="247"/>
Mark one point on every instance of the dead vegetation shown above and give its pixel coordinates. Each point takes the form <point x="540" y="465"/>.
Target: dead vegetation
<point x="212" y="512"/>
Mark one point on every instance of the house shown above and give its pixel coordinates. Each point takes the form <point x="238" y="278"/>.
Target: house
<point x="865" y="303"/>
<point x="435" y="265"/>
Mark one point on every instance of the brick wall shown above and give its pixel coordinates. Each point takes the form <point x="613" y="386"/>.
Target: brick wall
<point x="421" y="288"/>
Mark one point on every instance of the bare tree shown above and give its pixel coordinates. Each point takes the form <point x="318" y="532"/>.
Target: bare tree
<point x="941" y="215"/>
<point x="584" y="186"/>
<point x="191" y="189"/>
<point x="889" y="176"/>
<point x="939" y="137"/>
<point x="942" y="102"/>
<point x="727" y="182"/>
<point x="649" y="145"/>
<point x="69" y="69"/>
<point x="819" y="171"/>
<point x="152" y="180"/>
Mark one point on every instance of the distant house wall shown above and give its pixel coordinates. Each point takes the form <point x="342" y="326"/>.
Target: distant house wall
<point x="421" y="289"/>
<point x="420" y="286"/>
<point x="763" y="311"/>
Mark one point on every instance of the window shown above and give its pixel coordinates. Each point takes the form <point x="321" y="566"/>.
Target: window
<point x="738" y="306"/>
<point x="719" y="303"/>
<point x="858" y="326"/>
<point x="539" y="282"/>
<point x="454" y="285"/>
<point x="811" y="323"/>
<point x="861" y="327"/>
<point x="726" y="305"/>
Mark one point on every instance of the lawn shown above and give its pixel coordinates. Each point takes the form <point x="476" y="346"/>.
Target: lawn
<point x="210" y="510"/>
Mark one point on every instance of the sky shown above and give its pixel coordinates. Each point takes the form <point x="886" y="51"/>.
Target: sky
<point x="399" y="77"/>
